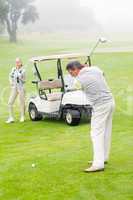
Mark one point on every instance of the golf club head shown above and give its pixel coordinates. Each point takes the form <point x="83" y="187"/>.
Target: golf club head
<point x="102" y="40"/>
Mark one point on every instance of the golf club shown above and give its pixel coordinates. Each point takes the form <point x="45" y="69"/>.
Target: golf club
<point x="100" y="40"/>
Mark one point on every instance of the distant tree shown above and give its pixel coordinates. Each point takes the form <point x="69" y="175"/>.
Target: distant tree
<point x="14" y="12"/>
<point x="1" y="28"/>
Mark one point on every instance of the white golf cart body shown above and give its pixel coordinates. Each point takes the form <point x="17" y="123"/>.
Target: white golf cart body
<point x="45" y="106"/>
<point x="66" y="103"/>
<point x="54" y="101"/>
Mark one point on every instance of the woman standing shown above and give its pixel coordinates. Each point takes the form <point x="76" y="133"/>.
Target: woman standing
<point x="17" y="80"/>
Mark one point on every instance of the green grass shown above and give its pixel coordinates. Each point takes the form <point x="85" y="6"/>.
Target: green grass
<point x="61" y="152"/>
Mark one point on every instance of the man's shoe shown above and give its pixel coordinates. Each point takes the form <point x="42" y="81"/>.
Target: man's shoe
<point x="90" y="162"/>
<point x="10" y="120"/>
<point x="93" y="169"/>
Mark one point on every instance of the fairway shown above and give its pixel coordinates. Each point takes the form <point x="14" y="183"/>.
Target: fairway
<point x="60" y="152"/>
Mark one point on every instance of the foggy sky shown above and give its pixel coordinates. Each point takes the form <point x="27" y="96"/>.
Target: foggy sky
<point x="112" y="15"/>
<point x="115" y="15"/>
<point x="65" y="15"/>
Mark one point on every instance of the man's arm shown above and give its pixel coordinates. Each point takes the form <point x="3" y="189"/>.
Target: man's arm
<point x="99" y="70"/>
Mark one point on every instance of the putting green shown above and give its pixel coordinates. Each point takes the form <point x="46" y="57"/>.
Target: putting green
<point x="59" y="152"/>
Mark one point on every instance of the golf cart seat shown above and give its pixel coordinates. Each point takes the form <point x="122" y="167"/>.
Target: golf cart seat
<point x="54" y="96"/>
<point x="50" y="84"/>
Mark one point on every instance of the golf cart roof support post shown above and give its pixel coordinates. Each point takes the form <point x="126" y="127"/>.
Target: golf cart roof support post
<point x="36" y="68"/>
<point x="60" y="74"/>
<point x="58" y="70"/>
<point x="40" y="79"/>
<point x="88" y="61"/>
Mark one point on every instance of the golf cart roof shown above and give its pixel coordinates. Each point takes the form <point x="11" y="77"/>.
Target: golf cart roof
<point x="59" y="56"/>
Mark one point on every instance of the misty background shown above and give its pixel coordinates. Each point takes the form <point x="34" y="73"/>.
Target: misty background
<point x="86" y="18"/>
<point x="111" y="18"/>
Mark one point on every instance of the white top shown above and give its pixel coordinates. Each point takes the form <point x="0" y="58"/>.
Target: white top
<point x="94" y="85"/>
<point x="17" y="77"/>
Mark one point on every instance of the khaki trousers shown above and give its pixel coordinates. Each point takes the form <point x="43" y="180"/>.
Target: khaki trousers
<point x="101" y="129"/>
<point x="20" y="92"/>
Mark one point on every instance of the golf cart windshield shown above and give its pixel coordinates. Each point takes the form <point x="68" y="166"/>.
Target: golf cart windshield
<point x="43" y="69"/>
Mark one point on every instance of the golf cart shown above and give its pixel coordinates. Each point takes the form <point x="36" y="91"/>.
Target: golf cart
<point x="56" y="98"/>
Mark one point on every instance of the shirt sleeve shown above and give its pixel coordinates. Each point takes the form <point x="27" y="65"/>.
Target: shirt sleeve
<point x="22" y="76"/>
<point x="11" y="76"/>
<point x="99" y="70"/>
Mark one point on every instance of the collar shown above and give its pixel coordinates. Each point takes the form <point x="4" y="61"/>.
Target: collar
<point x="84" y="70"/>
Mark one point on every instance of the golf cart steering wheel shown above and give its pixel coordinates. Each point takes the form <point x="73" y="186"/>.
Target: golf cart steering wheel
<point x="50" y="79"/>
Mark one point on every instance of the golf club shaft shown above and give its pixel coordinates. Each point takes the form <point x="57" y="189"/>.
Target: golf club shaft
<point x="93" y="49"/>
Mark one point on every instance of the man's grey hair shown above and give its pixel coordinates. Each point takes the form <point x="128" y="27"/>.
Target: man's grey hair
<point x="74" y="64"/>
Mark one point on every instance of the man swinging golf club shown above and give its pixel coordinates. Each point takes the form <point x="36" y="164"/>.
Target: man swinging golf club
<point x="17" y="80"/>
<point x="93" y="83"/>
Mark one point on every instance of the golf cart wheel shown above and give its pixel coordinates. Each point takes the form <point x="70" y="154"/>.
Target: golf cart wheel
<point x="33" y="113"/>
<point x="72" y="117"/>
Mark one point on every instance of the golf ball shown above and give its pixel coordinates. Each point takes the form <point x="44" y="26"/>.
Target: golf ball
<point x="33" y="165"/>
